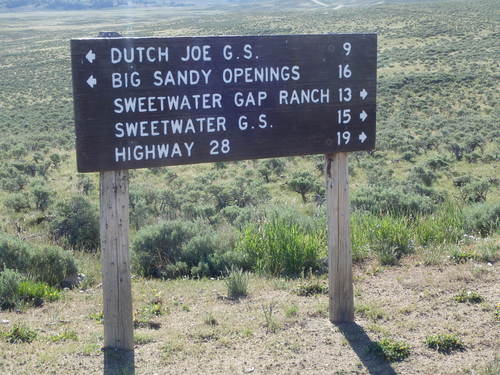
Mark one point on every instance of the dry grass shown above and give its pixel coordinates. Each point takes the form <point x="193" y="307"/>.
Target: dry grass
<point x="407" y="303"/>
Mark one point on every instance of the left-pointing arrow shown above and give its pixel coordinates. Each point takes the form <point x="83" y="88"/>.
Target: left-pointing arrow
<point x="91" y="81"/>
<point x="90" y="56"/>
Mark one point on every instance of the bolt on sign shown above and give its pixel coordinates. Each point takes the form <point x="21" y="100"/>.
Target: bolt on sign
<point x="149" y="102"/>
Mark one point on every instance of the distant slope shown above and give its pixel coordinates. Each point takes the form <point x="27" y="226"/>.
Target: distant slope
<point x="9" y="5"/>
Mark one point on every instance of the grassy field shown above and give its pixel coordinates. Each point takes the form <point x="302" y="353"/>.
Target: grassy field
<point x="197" y="330"/>
<point x="425" y="221"/>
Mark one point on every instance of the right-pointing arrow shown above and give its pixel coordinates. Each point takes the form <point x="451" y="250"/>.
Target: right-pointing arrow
<point x="91" y="81"/>
<point x="363" y="94"/>
<point x="363" y="116"/>
<point x="362" y="137"/>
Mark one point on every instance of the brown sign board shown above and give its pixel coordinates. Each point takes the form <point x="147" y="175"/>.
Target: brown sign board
<point x="149" y="102"/>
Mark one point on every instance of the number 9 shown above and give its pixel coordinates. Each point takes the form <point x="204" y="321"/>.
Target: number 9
<point x="347" y="48"/>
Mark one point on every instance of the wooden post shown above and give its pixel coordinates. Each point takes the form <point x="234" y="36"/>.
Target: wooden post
<point x="115" y="259"/>
<point x="341" y="298"/>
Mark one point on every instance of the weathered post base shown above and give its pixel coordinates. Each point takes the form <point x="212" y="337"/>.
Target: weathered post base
<point x="118" y="362"/>
<point x="340" y="290"/>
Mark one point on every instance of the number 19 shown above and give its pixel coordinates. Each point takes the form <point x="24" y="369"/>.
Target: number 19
<point x="344" y="137"/>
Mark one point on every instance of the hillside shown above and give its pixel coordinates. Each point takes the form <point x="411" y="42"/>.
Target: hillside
<point x="23" y="5"/>
<point x="107" y="4"/>
<point x="425" y="207"/>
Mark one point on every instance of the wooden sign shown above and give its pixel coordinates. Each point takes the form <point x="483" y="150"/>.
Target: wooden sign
<point x="146" y="102"/>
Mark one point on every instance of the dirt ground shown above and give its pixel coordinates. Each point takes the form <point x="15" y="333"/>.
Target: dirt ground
<point x="202" y="332"/>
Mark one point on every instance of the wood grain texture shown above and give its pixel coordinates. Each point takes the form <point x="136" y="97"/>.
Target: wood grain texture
<point x="318" y="92"/>
<point x="116" y="284"/>
<point x="341" y="298"/>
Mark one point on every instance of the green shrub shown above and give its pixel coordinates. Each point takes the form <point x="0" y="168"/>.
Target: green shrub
<point x="292" y="311"/>
<point x="201" y="270"/>
<point x="390" y="238"/>
<point x="488" y="251"/>
<point x="437" y="162"/>
<point x="198" y="249"/>
<point x="14" y="253"/>
<point x="41" y="194"/>
<point x="241" y="217"/>
<point x="67" y="335"/>
<point x="85" y="184"/>
<point x="181" y="248"/>
<point x="224" y="256"/>
<point x="157" y="246"/>
<point x="98" y="317"/>
<point x="461" y="181"/>
<point x="11" y="179"/>
<point x="225" y="259"/>
<point x="140" y="210"/>
<point x="237" y="283"/>
<point x="9" y="287"/>
<point x="302" y="183"/>
<point x="409" y="156"/>
<point x="55" y="159"/>
<point x="240" y="191"/>
<point x="390" y="200"/>
<point x="17" y="202"/>
<point x="76" y="224"/>
<point x="459" y="255"/>
<point x="37" y="293"/>
<point x="436" y="196"/>
<point x="281" y="248"/>
<point x="173" y="270"/>
<point x="51" y="265"/>
<point x="444" y="343"/>
<point x="360" y="235"/>
<point x="20" y="333"/>
<point x="231" y="213"/>
<point x="483" y="218"/>
<point x="153" y="308"/>
<point x="270" y="322"/>
<point x="391" y="350"/>
<point x="468" y="296"/>
<point x="210" y="320"/>
<point x="475" y="191"/>
<point x="423" y="174"/>
<point x="311" y="287"/>
<point x="387" y="255"/>
<point x="196" y="211"/>
<point x="269" y="167"/>
<point x="444" y="226"/>
<point x="370" y="311"/>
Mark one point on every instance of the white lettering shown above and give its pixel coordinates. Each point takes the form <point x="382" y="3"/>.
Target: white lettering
<point x="227" y="53"/>
<point x="249" y="99"/>
<point x="304" y="96"/>
<point x="119" y="130"/>
<point x="170" y="127"/>
<point x="136" y="54"/>
<point x="154" y="151"/>
<point x="167" y="103"/>
<point x="261" y="74"/>
<point x="197" y="53"/>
